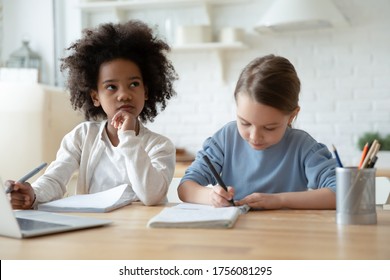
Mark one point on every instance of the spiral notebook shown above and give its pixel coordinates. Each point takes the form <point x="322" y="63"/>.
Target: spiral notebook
<point x="187" y="215"/>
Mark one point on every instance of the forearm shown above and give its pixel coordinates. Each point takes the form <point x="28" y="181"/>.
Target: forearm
<point x="150" y="171"/>
<point x="149" y="182"/>
<point x="52" y="184"/>
<point x="315" y="199"/>
<point x="192" y="192"/>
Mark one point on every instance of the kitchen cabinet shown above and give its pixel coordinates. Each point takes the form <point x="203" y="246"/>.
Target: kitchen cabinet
<point x="121" y="11"/>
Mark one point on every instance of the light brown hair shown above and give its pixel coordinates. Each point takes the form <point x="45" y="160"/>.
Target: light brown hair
<point x="270" y="80"/>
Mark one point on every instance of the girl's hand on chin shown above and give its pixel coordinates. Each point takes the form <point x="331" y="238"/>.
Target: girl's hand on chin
<point x="124" y="121"/>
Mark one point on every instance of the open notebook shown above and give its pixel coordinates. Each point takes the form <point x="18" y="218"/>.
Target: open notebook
<point x="104" y="201"/>
<point x="31" y="223"/>
<point x="187" y="215"/>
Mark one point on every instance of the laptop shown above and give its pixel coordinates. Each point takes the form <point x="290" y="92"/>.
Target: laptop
<point x="31" y="223"/>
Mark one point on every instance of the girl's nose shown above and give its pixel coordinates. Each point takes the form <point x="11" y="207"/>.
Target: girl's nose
<point x="255" y="135"/>
<point x="124" y="94"/>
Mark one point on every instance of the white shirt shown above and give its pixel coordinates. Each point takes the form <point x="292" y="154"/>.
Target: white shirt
<point x="145" y="161"/>
<point x="108" y="164"/>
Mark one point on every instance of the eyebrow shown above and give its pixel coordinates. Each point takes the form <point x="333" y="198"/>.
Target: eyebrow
<point x="129" y="79"/>
<point x="269" y="124"/>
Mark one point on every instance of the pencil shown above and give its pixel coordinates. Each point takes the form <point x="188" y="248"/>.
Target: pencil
<point x="216" y="175"/>
<point x="370" y="153"/>
<point x="337" y="156"/>
<point x="373" y="156"/>
<point x="364" y="154"/>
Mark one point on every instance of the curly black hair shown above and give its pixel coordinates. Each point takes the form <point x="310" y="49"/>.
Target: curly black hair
<point x="134" y="41"/>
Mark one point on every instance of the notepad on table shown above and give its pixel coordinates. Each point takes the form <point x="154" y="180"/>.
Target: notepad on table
<point x="187" y="215"/>
<point x="104" y="201"/>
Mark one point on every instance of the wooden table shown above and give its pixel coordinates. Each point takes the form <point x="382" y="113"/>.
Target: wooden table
<point x="383" y="173"/>
<point x="277" y="234"/>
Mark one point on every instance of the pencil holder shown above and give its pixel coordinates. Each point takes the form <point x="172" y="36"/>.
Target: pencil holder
<point x="355" y="196"/>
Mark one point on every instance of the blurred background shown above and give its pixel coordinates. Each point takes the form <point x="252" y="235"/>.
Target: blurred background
<point x="342" y="58"/>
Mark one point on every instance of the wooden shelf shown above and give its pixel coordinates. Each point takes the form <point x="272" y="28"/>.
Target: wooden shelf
<point x="210" y="46"/>
<point x="120" y="9"/>
<point x="217" y="48"/>
<point x="142" y="4"/>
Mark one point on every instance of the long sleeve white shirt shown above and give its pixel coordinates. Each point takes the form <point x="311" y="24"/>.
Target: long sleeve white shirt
<point x="147" y="159"/>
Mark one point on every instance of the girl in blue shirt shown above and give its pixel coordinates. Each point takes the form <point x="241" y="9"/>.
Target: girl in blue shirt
<point x="264" y="161"/>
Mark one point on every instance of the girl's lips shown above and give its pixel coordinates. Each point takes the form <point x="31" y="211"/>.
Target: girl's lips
<point x="258" y="146"/>
<point x="126" y="108"/>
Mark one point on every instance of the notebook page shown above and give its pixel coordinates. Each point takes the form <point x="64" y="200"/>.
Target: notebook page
<point x="96" y="202"/>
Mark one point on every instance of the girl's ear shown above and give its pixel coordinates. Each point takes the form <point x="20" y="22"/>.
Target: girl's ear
<point x="294" y="115"/>
<point x="95" y="98"/>
<point x="146" y="93"/>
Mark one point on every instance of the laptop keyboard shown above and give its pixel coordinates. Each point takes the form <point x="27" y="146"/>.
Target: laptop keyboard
<point x="27" y="224"/>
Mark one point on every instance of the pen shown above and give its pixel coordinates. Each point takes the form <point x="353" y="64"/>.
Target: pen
<point x="370" y="153"/>
<point x="27" y="176"/>
<point x="337" y="156"/>
<point x="364" y="154"/>
<point x="373" y="157"/>
<point x="372" y="162"/>
<point x="216" y="176"/>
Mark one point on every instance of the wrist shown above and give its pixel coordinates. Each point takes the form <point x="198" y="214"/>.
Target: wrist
<point x="33" y="201"/>
<point x="282" y="200"/>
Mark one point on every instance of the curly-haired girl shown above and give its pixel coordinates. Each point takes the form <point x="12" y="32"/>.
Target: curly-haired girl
<point x="119" y="77"/>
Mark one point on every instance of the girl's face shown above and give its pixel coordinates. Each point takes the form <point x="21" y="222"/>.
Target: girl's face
<point x="120" y="87"/>
<point x="260" y="125"/>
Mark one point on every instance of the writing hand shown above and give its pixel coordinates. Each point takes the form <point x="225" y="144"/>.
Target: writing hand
<point x="220" y="197"/>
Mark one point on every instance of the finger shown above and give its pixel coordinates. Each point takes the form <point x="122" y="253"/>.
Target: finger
<point x="250" y="200"/>
<point x="20" y="187"/>
<point x="9" y="183"/>
<point x="21" y="200"/>
<point x="121" y="116"/>
<point x="218" y="201"/>
<point x="17" y="201"/>
<point x="117" y="115"/>
<point x="115" y="122"/>
<point x="256" y="201"/>
<point x="27" y="201"/>
<point x="221" y="192"/>
<point x="231" y="191"/>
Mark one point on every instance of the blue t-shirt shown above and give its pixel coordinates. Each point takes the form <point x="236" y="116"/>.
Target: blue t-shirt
<point x="296" y="163"/>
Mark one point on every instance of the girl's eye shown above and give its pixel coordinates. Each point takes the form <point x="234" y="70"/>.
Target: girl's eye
<point x="111" y="87"/>
<point x="134" y="84"/>
<point x="245" y="124"/>
<point x="269" y="128"/>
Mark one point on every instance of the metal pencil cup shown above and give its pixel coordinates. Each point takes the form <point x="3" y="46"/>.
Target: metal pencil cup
<point x="355" y="196"/>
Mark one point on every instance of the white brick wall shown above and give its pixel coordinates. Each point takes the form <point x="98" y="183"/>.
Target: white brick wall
<point x="345" y="75"/>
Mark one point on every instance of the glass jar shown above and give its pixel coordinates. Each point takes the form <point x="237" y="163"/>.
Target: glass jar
<point x="24" y="57"/>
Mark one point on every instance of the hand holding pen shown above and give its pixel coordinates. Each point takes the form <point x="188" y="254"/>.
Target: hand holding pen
<point x="216" y="176"/>
<point x="27" y="176"/>
<point x="22" y="195"/>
